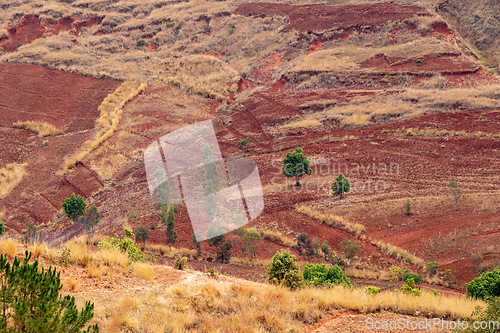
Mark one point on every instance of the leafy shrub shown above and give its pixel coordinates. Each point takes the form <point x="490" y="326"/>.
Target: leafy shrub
<point x="284" y="270"/>
<point x="490" y="315"/>
<point x="349" y="248"/>
<point x="141" y="43"/>
<point x="431" y="268"/>
<point x="320" y="275"/>
<point x="30" y="301"/>
<point x="2" y="228"/>
<point x="243" y="142"/>
<point x="222" y="247"/>
<point x="74" y="207"/>
<point x="408" y="288"/>
<point x="408" y="207"/>
<point x="170" y="24"/>
<point x="417" y="278"/>
<point x="66" y="259"/>
<point x="488" y="284"/>
<point x="125" y="245"/>
<point x="371" y="290"/>
<point x="180" y="262"/>
<point x="213" y="273"/>
<point x="142" y="234"/>
<point x="340" y="186"/>
<point x="450" y="277"/>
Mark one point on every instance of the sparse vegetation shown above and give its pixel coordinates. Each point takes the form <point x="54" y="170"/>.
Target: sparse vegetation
<point x="91" y="219"/>
<point x="180" y="262"/>
<point x="455" y="191"/>
<point x="242" y="144"/>
<point x="399" y="253"/>
<point x="10" y="176"/>
<point x="125" y="245"/>
<point x="349" y="248"/>
<point x="221" y="247"/>
<point x="408" y="208"/>
<point x="332" y="220"/>
<point x="41" y="128"/>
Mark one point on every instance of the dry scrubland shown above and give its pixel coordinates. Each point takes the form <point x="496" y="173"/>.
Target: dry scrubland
<point x="160" y="298"/>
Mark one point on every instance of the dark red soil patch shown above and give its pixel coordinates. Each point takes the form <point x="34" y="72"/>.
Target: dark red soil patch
<point x="31" y="28"/>
<point x="314" y="47"/>
<point x="321" y="18"/>
<point x="213" y="54"/>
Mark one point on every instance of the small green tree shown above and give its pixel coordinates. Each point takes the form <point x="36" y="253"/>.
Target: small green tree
<point x="171" y="233"/>
<point x="222" y="247"/>
<point x="490" y="315"/>
<point x="142" y="234"/>
<point x="305" y="246"/>
<point x="30" y="301"/>
<point x="125" y="245"/>
<point x="243" y="143"/>
<point x="340" y="186"/>
<point x="431" y="268"/>
<point x="74" y="207"/>
<point x="32" y="234"/>
<point x="2" y="228"/>
<point x="90" y="219"/>
<point x="349" y="248"/>
<point x="455" y="191"/>
<point x="284" y="270"/>
<point x="408" y="207"/>
<point x="295" y="164"/>
<point x="251" y="240"/>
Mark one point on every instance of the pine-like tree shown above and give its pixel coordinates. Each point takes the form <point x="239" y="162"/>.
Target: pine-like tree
<point x="171" y="233"/>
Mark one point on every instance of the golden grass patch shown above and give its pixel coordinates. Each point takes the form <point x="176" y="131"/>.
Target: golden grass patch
<point x="41" y="128"/>
<point x="144" y="271"/>
<point x="307" y="123"/>
<point x="276" y="236"/>
<point x="398" y="253"/>
<point x="10" y="176"/>
<point x="8" y="247"/>
<point x="438" y="132"/>
<point x="332" y="220"/>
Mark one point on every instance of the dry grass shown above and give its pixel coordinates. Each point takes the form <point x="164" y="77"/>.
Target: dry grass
<point x="110" y="115"/>
<point x="332" y="220"/>
<point x="170" y="251"/>
<point x="41" y="128"/>
<point x="438" y="132"/>
<point x="257" y="263"/>
<point x="10" y="176"/>
<point x="8" y="247"/>
<point x="240" y="307"/>
<point x="366" y="274"/>
<point x="278" y="237"/>
<point x="302" y="123"/>
<point x="398" y="253"/>
<point x="144" y="271"/>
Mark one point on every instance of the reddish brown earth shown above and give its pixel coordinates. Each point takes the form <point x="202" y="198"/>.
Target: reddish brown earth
<point x="320" y="18"/>
<point x="67" y="101"/>
<point x="31" y="28"/>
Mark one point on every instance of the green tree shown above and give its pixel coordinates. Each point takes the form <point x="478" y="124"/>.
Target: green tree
<point x="222" y="247"/>
<point x="305" y="246"/>
<point x="171" y="233"/>
<point x="2" y="228"/>
<point x="455" y="191"/>
<point x="30" y="300"/>
<point x="74" y="207"/>
<point x="349" y="248"/>
<point x="251" y="240"/>
<point x="340" y="186"/>
<point x="295" y="164"/>
<point x="285" y="270"/>
<point x="90" y="219"/>
<point x="125" y="245"/>
<point x="486" y="285"/>
<point x="142" y="234"/>
<point x="489" y="315"/>
<point x="32" y="234"/>
<point x="243" y="143"/>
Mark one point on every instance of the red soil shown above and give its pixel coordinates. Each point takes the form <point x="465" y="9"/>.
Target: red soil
<point x="264" y="70"/>
<point x="213" y="54"/>
<point x="67" y="101"/>
<point x="31" y="28"/>
<point x="320" y="18"/>
<point x="314" y="47"/>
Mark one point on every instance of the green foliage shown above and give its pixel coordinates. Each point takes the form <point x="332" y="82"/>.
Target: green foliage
<point x="250" y="239"/>
<point x="90" y="219"/>
<point x="32" y="234"/>
<point x="371" y="290"/>
<point x="140" y="43"/>
<point x="30" y="301"/>
<point x="305" y="246"/>
<point x="491" y="316"/>
<point x="125" y="245"/>
<point x="171" y="233"/>
<point x="179" y="26"/>
<point x="439" y="36"/>
<point x="450" y="277"/>
<point x="213" y="273"/>
<point x="170" y="24"/>
<point x="180" y="262"/>
<point x="66" y="259"/>
<point x="455" y="191"/>
<point x="419" y="61"/>
<point x="417" y="278"/>
<point x="340" y="186"/>
<point x="133" y="215"/>
<point x="243" y="142"/>
<point x="397" y="273"/>
<point x="488" y="284"/>
<point x="231" y="30"/>
<point x="196" y="244"/>
<point x="435" y="292"/>
<point x="320" y="275"/>
<point x="74" y="207"/>
<point x="331" y="257"/>
<point x="284" y="270"/>
<point x="142" y="234"/>
<point x="295" y="164"/>
<point x="408" y="288"/>
<point x="222" y="247"/>
<point x="349" y="248"/>
<point x="408" y="207"/>
<point x="2" y="228"/>
<point x="431" y="268"/>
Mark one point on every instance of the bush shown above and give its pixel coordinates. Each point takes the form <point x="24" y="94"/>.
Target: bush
<point x="284" y="270"/>
<point x="408" y="288"/>
<point x="125" y="245"/>
<point x="180" y="262"/>
<point x="408" y="207"/>
<point x="30" y="301"/>
<point x="320" y="275"/>
<point x="371" y="290"/>
<point x="222" y="247"/>
<point x="490" y="315"/>
<point x="488" y="284"/>
<point x="2" y="228"/>
<point x="74" y="207"/>
<point x="349" y="248"/>
<point x="142" y="234"/>
<point x="417" y="278"/>
<point x="32" y="234"/>
<point x="431" y="268"/>
<point x="90" y="219"/>
<point x="141" y="43"/>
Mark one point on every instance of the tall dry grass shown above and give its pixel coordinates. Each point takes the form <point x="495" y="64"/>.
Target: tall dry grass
<point x="398" y="253"/>
<point x="41" y="128"/>
<point x="278" y="237"/>
<point x="332" y="220"/>
<point x="8" y="247"/>
<point x="110" y="115"/>
<point x="438" y="132"/>
<point x="10" y="176"/>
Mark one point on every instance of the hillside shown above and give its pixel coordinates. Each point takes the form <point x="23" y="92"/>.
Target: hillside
<point x="401" y="97"/>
